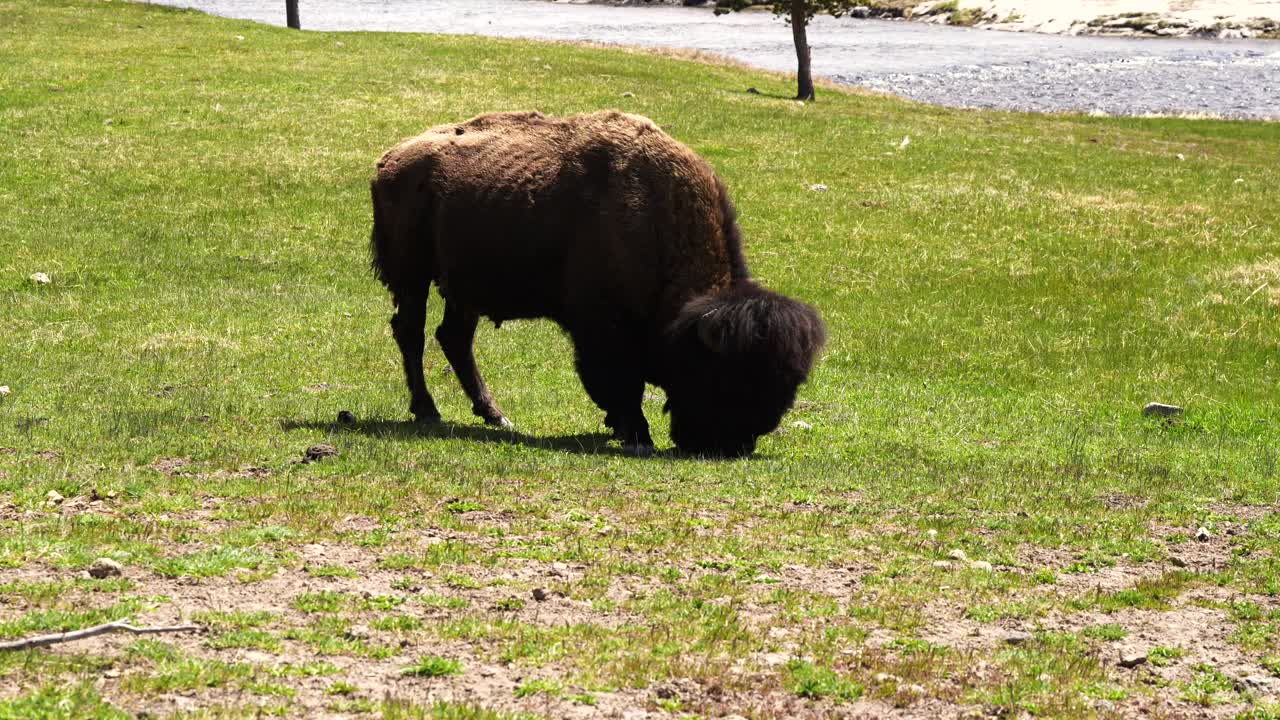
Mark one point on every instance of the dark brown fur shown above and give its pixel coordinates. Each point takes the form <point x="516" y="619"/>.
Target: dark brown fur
<point x="617" y="232"/>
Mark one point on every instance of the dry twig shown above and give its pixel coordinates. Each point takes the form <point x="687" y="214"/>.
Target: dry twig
<point x="117" y="626"/>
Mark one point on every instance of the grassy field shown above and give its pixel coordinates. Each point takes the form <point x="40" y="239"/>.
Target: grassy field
<point x="966" y="515"/>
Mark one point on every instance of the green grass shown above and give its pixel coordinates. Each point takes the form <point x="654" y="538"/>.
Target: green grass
<point x="430" y="666"/>
<point x="1003" y="295"/>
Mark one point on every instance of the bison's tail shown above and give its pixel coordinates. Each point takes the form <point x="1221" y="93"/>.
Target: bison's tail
<point x="379" y="242"/>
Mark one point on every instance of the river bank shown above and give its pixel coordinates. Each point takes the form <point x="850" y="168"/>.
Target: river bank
<point x="1224" y="19"/>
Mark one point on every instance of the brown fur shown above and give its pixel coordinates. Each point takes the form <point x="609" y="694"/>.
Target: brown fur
<point x="600" y="222"/>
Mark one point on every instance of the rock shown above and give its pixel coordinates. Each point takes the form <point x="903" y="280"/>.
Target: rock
<point x="942" y="564"/>
<point x="1180" y="156"/>
<point x="1259" y="683"/>
<point x="539" y="595"/>
<point x="346" y="418"/>
<point x="883" y="677"/>
<point x="316" y="453"/>
<point x="53" y="497"/>
<point x="40" y="278"/>
<point x="860" y="12"/>
<point x="1132" y="659"/>
<point x="1017" y="637"/>
<point x="980" y="565"/>
<point x="1155" y="409"/>
<point x="801" y="425"/>
<point x="628" y="94"/>
<point x="1203" y="534"/>
<point x="4" y="390"/>
<point x="664" y="692"/>
<point x="933" y="534"/>
<point x="753" y="91"/>
<point x="818" y="187"/>
<point x="1176" y="561"/>
<point x="958" y="554"/>
<point x="105" y="568"/>
<point x="906" y="140"/>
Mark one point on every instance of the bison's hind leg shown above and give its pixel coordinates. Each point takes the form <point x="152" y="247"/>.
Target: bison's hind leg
<point x="408" y="325"/>
<point x="456" y="336"/>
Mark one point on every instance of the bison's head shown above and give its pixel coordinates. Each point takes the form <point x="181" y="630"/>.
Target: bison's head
<point x="735" y="359"/>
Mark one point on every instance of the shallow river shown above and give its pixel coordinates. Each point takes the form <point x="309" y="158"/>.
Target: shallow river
<point x="939" y="64"/>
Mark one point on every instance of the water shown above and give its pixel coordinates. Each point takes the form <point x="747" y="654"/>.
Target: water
<point x="953" y="66"/>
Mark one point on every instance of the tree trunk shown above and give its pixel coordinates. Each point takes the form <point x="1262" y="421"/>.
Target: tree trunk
<point x="291" y="14"/>
<point x="804" y="79"/>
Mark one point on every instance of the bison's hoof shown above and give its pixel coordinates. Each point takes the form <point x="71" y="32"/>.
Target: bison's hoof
<point x="499" y="421"/>
<point x="426" y="418"/>
<point x="637" y="449"/>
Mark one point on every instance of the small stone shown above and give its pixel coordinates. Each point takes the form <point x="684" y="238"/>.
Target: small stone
<point x="801" y="425"/>
<point x="628" y="94"/>
<point x="346" y="418"/>
<point x="40" y="278"/>
<point x="539" y="595"/>
<point x="905" y="142"/>
<point x="4" y="390"/>
<point x="1180" y="156"/>
<point x="339" y="44"/>
<point x="883" y="677"/>
<point x="942" y="564"/>
<point x="1156" y="409"/>
<point x="933" y="534"/>
<point x="818" y="187"/>
<point x="754" y="91"/>
<point x="316" y="453"/>
<point x="53" y="497"/>
<point x="980" y="565"/>
<point x="1203" y="534"/>
<point x="1177" y="561"/>
<point x="664" y="692"/>
<point x="958" y="554"/>
<point x="105" y="568"/>
<point x="1133" y="659"/>
<point x="1237" y="181"/>
<point x="1017" y="637"/>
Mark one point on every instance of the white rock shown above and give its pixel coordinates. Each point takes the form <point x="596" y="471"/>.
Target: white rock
<point x="980" y="565"/>
<point x="906" y="140"/>
<point x="4" y="390"/>
<point x="958" y="554"/>
<point x="933" y="534"/>
<point x="105" y="568"/>
<point x="40" y="278"/>
<point x="818" y="187"/>
<point x="1203" y="534"/>
<point x="942" y="564"/>
<point x="801" y="425"/>
<point x="628" y="94"/>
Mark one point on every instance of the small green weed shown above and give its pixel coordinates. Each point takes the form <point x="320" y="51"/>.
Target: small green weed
<point x="433" y="666"/>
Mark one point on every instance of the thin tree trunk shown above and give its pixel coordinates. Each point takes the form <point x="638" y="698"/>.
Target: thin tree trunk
<point x="291" y="13"/>
<point x="804" y="79"/>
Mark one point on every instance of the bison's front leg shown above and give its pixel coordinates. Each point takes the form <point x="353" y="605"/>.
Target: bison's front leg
<point x="456" y="336"/>
<point x="612" y="377"/>
<point x="408" y="325"/>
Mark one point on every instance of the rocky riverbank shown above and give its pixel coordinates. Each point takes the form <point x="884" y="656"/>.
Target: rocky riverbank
<point x="1131" y="18"/>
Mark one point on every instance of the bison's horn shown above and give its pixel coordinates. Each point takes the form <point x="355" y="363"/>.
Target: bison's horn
<point x="709" y="334"/>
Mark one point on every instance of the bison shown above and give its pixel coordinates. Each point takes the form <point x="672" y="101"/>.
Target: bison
<point x="617" y="232"/>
